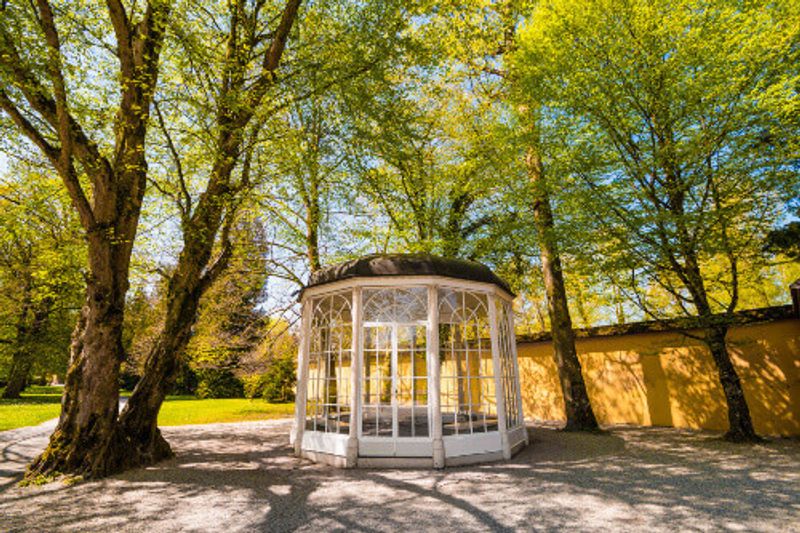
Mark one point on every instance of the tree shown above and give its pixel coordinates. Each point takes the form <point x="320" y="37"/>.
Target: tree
<point x="41" y="256"/>
<point x="230" y="322"/>
<point x="482" y="38"/>
<point x="236" y="96"/>
<point x="675" y="158"/>
<point x="785" y="240"/>
<point x="428" y="165"/>
<point x="269" y="371"/>
<point x="248" y="65"/>
<point x="578" y="407"/>
<point x="310" y="173"/>
<point x="45" y="94"/>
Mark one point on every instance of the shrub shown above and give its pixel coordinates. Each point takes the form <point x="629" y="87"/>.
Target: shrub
<point x="254" y="385"/>
<point x="127" y="379"/>
<point x="280" y="381"/>
<point x="218" y="383"/>
<point x="276" y="385"/>
<point x="186" y="380"/>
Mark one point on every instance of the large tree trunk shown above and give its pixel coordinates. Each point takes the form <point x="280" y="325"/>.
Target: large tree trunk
<point x="739" y="421"/>
<point x="580" y="416"/>
<point x="108" y="203"/>
<point x="83" y="442"/>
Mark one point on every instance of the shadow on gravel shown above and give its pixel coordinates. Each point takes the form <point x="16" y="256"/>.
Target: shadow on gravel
<point x="245" y="478"/>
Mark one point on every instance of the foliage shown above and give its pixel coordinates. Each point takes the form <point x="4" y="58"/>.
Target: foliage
<point x="143" y="317"/>
<point x="676" y="163"/>
<point x="41" y="263"/>
<point x="668" y="131"/>
<point x="217" y="383"/>
<point x="280" y="380"/>
<point x="269" y="372"/>
<point x="229" y="322"/>
<point x="785" y="240"/>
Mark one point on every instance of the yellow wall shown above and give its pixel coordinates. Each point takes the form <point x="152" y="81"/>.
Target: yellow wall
<point x="668" y="379"/>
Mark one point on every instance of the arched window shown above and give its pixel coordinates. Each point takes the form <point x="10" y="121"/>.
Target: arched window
<point x="395" y="305"/>
<point x="329" y="363"/>
<point x="468" y="400"/>
<point x="508" y="364"/>
<point x="395" y="373"/>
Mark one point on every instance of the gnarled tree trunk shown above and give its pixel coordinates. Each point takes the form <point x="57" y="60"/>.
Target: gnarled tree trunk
<point x="580" y="416"/>
<point x="83" y="441"/>
<point x="138" y="423"/>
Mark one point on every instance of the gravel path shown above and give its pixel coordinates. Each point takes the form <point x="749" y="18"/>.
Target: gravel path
<point x="242" y="477"/>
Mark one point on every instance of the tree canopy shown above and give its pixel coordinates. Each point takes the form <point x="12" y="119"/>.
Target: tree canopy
<point x="172" y="172"/>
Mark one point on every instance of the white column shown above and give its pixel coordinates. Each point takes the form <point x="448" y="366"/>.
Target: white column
<point x="494" y="333"/>
<point x="302" y="376"/>
<point x="434" y="383"/>
<point x="355" y="382"/>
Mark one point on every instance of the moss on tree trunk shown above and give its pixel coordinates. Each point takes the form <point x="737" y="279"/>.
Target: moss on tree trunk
<point x="83" y="444"/>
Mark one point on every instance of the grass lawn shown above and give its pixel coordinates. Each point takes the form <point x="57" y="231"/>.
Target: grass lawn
<point x="182" y="410"/>
<point x="36" y="405"/>
<point x="43" y="403"/>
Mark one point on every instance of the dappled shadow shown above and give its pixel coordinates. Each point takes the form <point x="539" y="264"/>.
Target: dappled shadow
<point x="18" y="447"/>
<point x="670" y="379"/>
<point x="243" y="477"/>
<point x="766" y="358"/>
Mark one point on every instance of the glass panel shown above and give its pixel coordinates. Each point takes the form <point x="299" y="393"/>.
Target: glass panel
<point x="466" y="363"/>
<point x="395" y="305"/>
<point x="330" y="360"/>
<point x="411" y="371"/>
<point x="508" y="365"/>
<point x="407" y="394"/>
<point x="376" y="407"/>
<point x="385" y="421"/>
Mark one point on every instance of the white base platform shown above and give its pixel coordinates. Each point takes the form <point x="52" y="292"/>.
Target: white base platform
<point x="331" y="450"/>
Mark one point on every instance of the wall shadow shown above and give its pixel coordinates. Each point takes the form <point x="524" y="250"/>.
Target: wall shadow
<point x="669" y="379"/>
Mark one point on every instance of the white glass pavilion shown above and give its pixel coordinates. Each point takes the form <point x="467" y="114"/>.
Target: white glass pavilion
<point x="407" y="360"/>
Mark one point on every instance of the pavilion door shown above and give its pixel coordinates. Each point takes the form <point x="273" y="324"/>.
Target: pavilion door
<point x="395" y="415"/>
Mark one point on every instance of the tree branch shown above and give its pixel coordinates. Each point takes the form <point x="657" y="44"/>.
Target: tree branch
<point x="273" y="55"/>
<point x="186" y="205"/>
<point x="119" y="19"/>
<point x="67" y="173"/>
<point x="222" y="261"/>
<point x="59" y="86"/>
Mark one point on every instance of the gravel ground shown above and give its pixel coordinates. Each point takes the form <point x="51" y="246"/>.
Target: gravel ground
<point x="242" y="477"/>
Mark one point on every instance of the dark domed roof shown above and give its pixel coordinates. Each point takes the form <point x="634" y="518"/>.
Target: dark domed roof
<point x="378" y="265"/>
